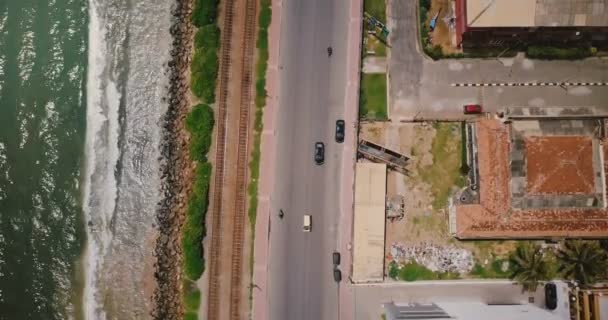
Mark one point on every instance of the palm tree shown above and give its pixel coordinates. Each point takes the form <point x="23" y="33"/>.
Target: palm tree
<point x="528" y="266"/>
<point x="583" y="261"/>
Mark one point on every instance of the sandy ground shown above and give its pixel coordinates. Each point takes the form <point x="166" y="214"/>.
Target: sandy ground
<point x="443" y="34"/>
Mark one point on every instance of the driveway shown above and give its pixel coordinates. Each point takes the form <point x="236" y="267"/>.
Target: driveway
<point x="421" y="88"/>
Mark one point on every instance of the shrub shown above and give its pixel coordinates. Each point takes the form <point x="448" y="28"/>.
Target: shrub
<point x="208" y="37"/>
<point x="205" y="12"/>
<point x="193" y="230"/>
<point x="413" y="271"/>
<point x="204" y="74"/>
<point x="435" y="52"/>
<point x="190" y="316"/>
<point x="192" y="299"/>
<point x="550" y="53"/>
<point x="426" y="4"/>
<point x="200" y="124"/>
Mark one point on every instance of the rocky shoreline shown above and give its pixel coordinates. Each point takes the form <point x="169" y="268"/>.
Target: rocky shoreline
<point x="176" y="170"/>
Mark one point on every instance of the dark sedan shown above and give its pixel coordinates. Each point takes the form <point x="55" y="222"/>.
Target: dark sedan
<point x="319" y="153"/>
<point x="339" y="131"/>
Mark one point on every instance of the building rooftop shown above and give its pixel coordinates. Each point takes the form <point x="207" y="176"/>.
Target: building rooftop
<point x="509" y="208"/>
<point x="536" y="13"/>
<point x="369" y="220"/>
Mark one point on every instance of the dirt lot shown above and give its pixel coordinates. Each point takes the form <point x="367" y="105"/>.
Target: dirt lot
<point x="559" y="165"/>
<point x="443" y="33"/>
<point x="433" y="176"/>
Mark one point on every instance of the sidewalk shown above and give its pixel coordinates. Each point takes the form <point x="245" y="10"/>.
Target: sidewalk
<point x="351" y="116"/>
<point x="267" y="158"/>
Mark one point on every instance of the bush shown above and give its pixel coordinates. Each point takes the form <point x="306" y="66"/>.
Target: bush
<point x="207" y="37"/>
<point x="190" y="316"/>
<point x="413" y="271"/>
<point x="200" y="124"/>
<point x="192" y="299"/>
<point x="204" y="74"/>
<point x="426" y="4"/>
<point x="193" y="230"/>
<point x="205" y="12"/>
<point x="435" y="52"/>
<point x="551" y="53"/>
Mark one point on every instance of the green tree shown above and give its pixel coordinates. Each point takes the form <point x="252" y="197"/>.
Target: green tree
<point x="529" y="266"/>
<point x="583" y="261"/>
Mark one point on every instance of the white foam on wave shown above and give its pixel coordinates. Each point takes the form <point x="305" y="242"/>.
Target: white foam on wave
<point x="102" y="153"/>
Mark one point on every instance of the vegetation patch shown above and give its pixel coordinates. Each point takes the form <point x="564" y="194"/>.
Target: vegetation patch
<point x="376" y="8"/>
<point x="372" y="102"/>
<point x="413" y="271"/>
<point x="260" y="101"/>
<point x="445" y="171"/>
<point x="495" y="270"/>
<point x="192" y="297"/>
<point x="199" y="123"/>
<point x="553" y="53"/>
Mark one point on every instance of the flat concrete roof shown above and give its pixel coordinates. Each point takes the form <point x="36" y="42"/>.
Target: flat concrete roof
<point x="500" y="13"/>
<point x="369" y="222"/>
<point x="537" y="13"/>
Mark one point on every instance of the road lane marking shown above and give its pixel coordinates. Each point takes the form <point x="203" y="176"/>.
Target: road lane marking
<point x="530" y="84"/>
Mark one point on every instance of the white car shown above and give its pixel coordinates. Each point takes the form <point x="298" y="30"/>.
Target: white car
<point x="307" y="223"/>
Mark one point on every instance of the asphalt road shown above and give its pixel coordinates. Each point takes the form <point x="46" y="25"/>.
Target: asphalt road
<point x="311" y="98"/>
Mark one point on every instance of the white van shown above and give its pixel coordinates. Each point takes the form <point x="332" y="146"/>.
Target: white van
<point x="307" y="223"/>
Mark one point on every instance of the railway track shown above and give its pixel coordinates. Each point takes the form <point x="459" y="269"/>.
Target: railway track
<point x="239" y="215"/>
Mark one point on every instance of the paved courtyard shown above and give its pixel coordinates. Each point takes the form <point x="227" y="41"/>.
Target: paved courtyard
<point x="420" y="88"/>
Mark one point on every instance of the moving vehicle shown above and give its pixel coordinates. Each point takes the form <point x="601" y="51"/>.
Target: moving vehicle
<point x="339" y="131"/>
<point x="329" y="51"/>
<point x="307" y="223"/>
<point x="551" y="296"/>
<point x="472" y="109"/>
<point x="319" y="153"/>
<point x="337" y="275"/>
<point x="336" y="258"/>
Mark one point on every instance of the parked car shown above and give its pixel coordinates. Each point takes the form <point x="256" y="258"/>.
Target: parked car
<point x="337" y="275"/>
<point x="473" y="109"/>
<point x="307" y="225"/>
<point x="319" y="153"/>
<point x="551" y="296"/>
<point x="339" y="131"/>
<point x="336" y="258"/>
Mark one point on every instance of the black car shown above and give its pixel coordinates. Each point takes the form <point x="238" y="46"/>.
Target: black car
<point x="339" y="131"/>
<point x="551" y="296"/>
<point x="319" y="153"/>
<point x="337" y="275"/>
<point x="336" y="258"/>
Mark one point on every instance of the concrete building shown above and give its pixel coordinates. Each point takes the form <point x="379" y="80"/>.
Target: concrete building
<point x="486" y="23"/>
<point x="369" y="222"/>
<point x="467" y="311"/>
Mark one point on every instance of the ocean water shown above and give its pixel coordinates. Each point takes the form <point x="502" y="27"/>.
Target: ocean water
<point x="42" y="124"/>
<point x="81" y="84"/>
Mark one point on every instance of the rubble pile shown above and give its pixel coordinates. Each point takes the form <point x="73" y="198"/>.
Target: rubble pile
<point x="434" y="257"/>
